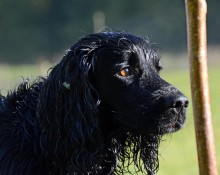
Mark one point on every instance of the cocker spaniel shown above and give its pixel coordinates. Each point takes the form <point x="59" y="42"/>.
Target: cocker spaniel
<point x="102" y="108"/>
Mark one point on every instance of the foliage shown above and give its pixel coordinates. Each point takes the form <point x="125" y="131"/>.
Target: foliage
<point x="34" y="29"/>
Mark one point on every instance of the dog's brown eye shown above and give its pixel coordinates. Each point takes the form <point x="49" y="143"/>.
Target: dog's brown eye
<point x="125" y="72"/>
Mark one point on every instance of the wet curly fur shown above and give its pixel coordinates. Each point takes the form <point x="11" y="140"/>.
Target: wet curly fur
<point x="102" y="108"/>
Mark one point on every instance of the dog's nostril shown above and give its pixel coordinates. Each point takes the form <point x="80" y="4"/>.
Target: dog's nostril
<point x="186" y="104"/>
<point x="181" y="102"/>
<point x="176" y="101"/>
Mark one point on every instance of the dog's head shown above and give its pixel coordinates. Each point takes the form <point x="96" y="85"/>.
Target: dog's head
<point x="127" y="78"/>
<point x="117" y="73"/>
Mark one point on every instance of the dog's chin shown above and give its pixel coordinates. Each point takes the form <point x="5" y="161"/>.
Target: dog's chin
<point x="172" y="123"/>
<point x="162" y="129"/>
<point x="170" y="128"/>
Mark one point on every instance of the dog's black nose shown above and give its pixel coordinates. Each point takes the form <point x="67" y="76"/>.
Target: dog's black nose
<point x="179" y="101"/>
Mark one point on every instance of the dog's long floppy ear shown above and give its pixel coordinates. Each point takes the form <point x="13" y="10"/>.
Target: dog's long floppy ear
<point x="67" y="110"/>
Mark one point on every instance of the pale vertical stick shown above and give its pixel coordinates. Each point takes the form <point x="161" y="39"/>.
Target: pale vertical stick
<point x="197" y="46"/>
<point x="98" y="21"/>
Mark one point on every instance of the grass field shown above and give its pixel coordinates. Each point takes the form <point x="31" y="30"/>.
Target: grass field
<point x="178" y="151"/>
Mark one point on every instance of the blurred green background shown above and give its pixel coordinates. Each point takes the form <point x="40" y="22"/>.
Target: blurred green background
<point x="34" y="35"/>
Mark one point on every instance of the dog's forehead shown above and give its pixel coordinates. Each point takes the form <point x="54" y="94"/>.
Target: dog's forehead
<point x="119" y="47"/>
<point x="136" y="53"/>
<point x="129" y="47"/>
<point x="132" y="55"/>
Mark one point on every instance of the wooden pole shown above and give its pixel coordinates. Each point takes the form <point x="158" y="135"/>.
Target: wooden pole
<point x="197" y="47"/>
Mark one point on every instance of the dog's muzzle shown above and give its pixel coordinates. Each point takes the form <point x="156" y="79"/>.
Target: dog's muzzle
<point x="174" y="109"/>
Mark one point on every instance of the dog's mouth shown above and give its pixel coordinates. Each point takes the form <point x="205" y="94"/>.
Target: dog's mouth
<point x="172" y="121"/>
<point x="171" y="127"/>
<point x="168" y="121"/>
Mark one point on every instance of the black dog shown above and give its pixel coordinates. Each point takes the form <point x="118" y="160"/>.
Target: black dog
<point x="103" y="107"/>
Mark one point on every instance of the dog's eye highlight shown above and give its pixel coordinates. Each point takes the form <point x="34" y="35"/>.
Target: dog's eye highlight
<point x="125" y="72"/>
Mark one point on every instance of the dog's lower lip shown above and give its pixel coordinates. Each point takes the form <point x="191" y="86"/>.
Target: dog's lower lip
<point x="172" y="127"/>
